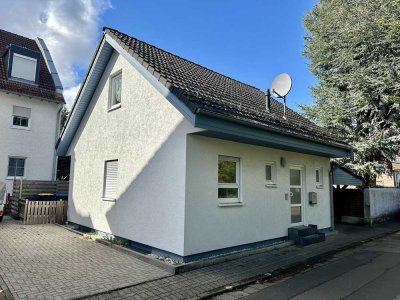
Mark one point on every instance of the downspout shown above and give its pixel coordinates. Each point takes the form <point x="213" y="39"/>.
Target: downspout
<point x="56" y="139"/>
<point x="331" y="199"/>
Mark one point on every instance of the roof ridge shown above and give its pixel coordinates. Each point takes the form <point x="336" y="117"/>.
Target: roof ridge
<point x="180" y="57"/>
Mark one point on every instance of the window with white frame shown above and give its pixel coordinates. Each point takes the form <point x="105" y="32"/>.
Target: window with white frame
<point x="228" y="179"/>
<point x="24" y="67"/>
<point x="21" y="117"/>
<point x="270" y="173"/>
<point x="319" y="177"/>
<point x="110" y="184"/>
<point x="115" y="90"/>
<point x="16" y="167"/>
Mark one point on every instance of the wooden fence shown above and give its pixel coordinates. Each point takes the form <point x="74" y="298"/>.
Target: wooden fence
<point x="38" y="212"/>
<point x="44" y="212"/>
<point x="28" y="188"/>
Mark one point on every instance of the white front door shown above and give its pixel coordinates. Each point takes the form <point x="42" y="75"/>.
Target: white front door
<point x="296" y="196"/>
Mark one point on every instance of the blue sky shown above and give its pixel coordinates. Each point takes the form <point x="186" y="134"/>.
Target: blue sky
<point x="251" y="41"/>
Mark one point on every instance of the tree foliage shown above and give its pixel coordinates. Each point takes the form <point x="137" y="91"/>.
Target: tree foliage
<point x="64" y="117"/>
<point x="354" y="51"/>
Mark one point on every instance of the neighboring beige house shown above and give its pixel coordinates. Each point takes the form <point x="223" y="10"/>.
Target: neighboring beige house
<point x="30" y="103"/>
<point x="185" y="162"/>
<point x="392" y="180"/>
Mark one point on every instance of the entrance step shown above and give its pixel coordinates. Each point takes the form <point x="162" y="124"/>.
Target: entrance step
<point x="299" y="231"/>
<point x="311" y="239"/>
<point x="305" y="235"/>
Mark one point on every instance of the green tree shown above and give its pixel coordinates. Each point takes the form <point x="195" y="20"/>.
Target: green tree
<point x="354" y="51"/>
<point x="64" y="117"/>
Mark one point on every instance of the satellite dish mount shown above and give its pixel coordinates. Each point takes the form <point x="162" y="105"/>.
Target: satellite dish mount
<point x="281" y="86"/>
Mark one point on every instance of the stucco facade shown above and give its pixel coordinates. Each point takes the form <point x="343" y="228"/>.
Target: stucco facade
<point x="264" y="213"/>
<point x="36" y="144"/>
<point x="167" y="176"/>
<point x="148" y="137"/>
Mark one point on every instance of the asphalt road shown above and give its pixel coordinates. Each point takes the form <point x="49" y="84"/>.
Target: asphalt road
<point x="371" y="271"/>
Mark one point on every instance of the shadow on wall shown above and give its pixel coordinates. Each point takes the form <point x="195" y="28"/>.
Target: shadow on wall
<point x="145" y="210"/>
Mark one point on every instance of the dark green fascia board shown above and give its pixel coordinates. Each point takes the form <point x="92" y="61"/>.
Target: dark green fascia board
<point x="237" y="132"/>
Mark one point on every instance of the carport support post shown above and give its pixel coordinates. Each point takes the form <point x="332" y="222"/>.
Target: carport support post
<point x="331" y="199"/>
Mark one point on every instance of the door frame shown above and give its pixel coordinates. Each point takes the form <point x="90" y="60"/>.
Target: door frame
<point x="302" y="194"/>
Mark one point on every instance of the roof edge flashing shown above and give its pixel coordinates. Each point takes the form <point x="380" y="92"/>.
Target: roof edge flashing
<point x="50" y="64"/>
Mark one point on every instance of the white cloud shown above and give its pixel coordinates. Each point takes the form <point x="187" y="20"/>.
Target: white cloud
<point x="70" y="93"/>
<point x="69" y="28"/>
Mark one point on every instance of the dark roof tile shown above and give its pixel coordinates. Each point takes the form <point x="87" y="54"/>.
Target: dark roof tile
<point x="200" y="87"/>
<point x="45" y="88"/>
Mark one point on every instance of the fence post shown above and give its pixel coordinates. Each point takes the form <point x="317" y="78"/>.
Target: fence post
<point x="20" y="188"/>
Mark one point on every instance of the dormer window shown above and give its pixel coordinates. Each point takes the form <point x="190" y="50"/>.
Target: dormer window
<point x="23" y="64"/>
<point x="24" y="67"/>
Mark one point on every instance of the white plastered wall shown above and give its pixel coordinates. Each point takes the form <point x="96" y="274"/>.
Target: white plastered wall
<point x="148" y="137"/>
<point x="265" y="213"/>
<point x="37" y="144"/>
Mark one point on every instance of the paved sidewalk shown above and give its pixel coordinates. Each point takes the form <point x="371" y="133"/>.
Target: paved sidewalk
<point x="213" y="279"/>
<point x="50" y="262"/>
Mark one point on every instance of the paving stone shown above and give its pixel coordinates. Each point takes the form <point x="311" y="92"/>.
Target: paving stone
<point x="50" y="262"/>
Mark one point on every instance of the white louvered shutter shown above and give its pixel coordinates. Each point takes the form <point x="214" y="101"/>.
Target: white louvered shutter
<point x="21" y="111"/>
<point x="24" y="67"/>
<point x="111" y="179"/>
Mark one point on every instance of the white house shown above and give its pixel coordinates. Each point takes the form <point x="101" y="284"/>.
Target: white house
<point x="185" y="162"/>
<point x="30" y="103"/>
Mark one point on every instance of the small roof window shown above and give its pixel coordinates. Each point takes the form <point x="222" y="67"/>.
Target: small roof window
<point x="23" y="64"/>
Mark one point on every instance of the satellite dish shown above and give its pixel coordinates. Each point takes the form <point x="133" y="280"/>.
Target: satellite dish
<point x="280" y="88"/>
<point x="281" y="85"/>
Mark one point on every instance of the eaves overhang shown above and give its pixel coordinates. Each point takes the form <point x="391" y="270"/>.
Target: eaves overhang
<point x="221" y="127"/>
<point x="85" y="94"/>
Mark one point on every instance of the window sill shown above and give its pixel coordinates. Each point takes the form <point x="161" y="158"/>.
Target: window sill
<point x="230" y="204"/>
<point x="109" y="199"/>
<point x="114" y="107"/>
<point x="271" y="185"/>
<point x="16" y="177"/>
<point x="319" y="186"/>
<point x="20" y="127"/>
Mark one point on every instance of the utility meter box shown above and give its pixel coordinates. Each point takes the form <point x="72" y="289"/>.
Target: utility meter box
<point x="312" y="198"/>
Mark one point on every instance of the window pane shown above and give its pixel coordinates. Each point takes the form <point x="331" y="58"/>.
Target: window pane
<point x="268" y="172"/>
<point x="228" y="193"/>
<point x="295" y="177"/>
<point x="116" y="88"/>
<point x="226" y="171"/>
<point x="19" y="162"/>
<point x="24" y="122"/>
<point x="19" y="172"/>
<point x="16" y="121"/>
<point x="11" y="171"/>
<point x="16" y="167"/>
<point x="317" y="175"/>
<point x="295" y="214"/>
<point x="295" y="195"/>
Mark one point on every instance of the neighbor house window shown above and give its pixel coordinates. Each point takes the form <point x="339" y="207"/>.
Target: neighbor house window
<point x="16" y="167"/>
<point x="228" y="179"/>
<point x="270" y="173"/>
<point x="24" y="67"/>
<point x="110" y="184"/>
<point x="319" y="177"/>
<point x="21" y="117"/>
<point x="115" y="90"/>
